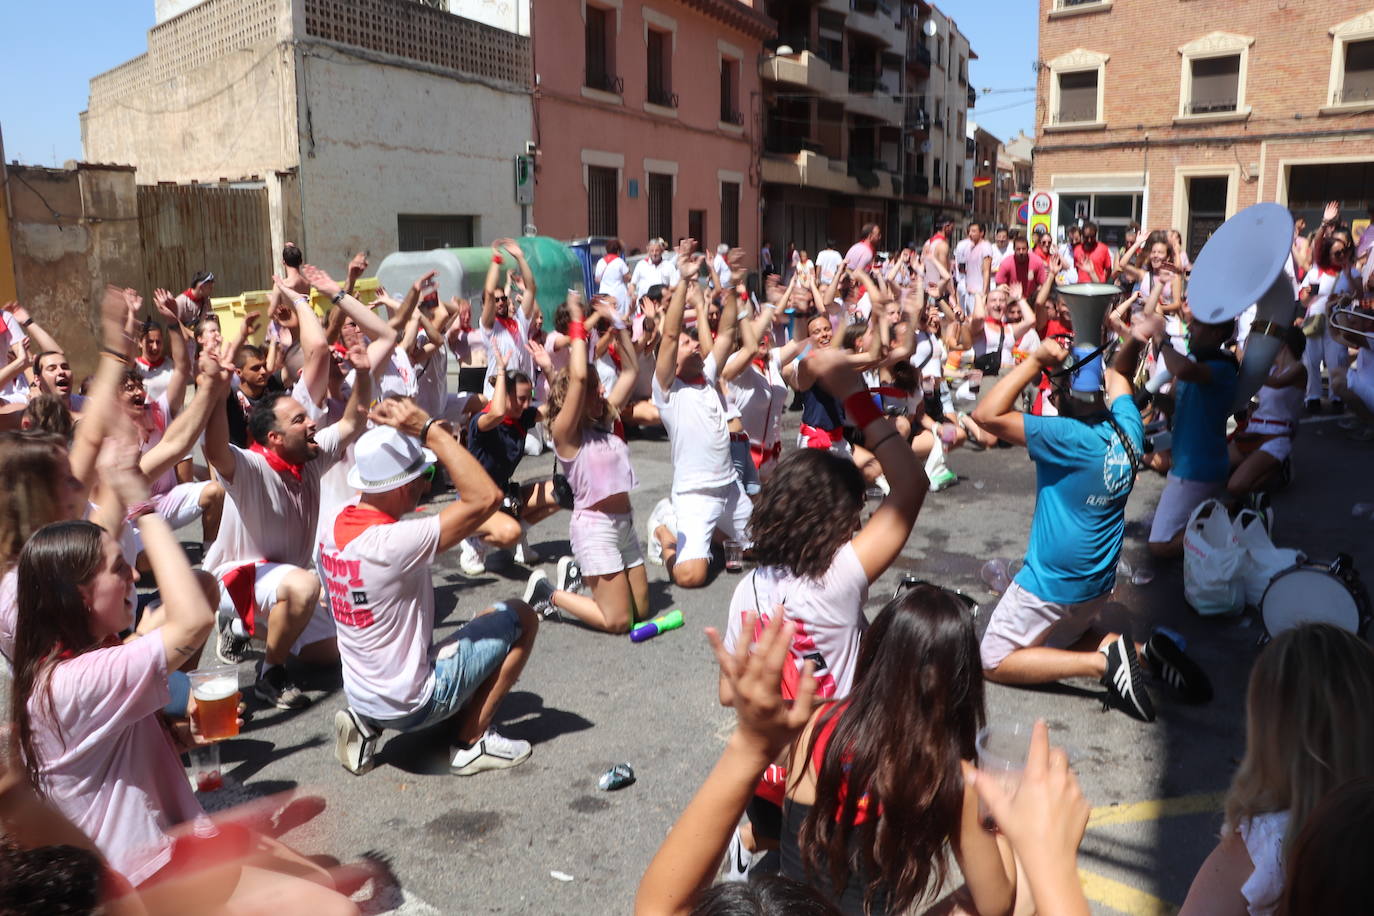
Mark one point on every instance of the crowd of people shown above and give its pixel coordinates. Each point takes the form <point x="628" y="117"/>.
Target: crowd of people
<point x="305" y="457"/>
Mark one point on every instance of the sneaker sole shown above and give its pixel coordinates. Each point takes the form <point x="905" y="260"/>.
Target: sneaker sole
<point x="1166" y="652"/>
<point x="1137" y="699"/>
<point x="531" y="587"/>
<point x="485" y="761"/>
<point x="273" y="699"/>
<point x="344" y="734"/>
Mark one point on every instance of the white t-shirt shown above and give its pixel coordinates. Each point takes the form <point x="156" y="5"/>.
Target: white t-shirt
<point x="16" y="390"/>
<point x="828" y="613"/>
<point x="431" y="378"/>
<point x="827" y="262"/>
<point x="961" y="250"/>
<point x="397" y="377"/>
<point x="973" y="266"/>
<point x="992" y="333"/>
<point x="610" y="274"/>
<point x="1001" y="254"/>
<point x="379" y="590"/>
<point x="269" y="515"/>
<point x="159" y="415"/>
<point x="9" y="609"/>
<point x="722" y="271"/>
<point x="648" y="274"/>
<point x="155" y="378"/>
<point x="508" y="338"/>
<point x="694" y="416"/>
<point x="1328" y="285"/>
<point x="760" y="396"/>
<point x="107" y="763"/>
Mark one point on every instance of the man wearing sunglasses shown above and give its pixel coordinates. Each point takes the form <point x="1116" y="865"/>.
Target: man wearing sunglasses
<point x="377" y="581"/>
<point x="1085" y="459"/>
<point x="506" y="324"/>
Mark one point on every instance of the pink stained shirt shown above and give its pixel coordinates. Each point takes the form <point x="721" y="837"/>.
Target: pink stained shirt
<point x="860" y="255"/>
<point x="601" y="468"/>
<point x="105" y="760"/>
<point x="1030" y="275"/>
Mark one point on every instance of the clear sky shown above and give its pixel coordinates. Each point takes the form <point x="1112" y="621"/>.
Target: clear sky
<point x="1005" y="36"/>
<point x="63" y="43"/>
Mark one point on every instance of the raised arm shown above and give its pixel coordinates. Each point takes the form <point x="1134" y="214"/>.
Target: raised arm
<point x="313" y="340"/>
<point x="166" y="305"/>
<point x="212" y="387"/>
<point x="500" y="394"/>
<point x="492" y="284"/>
<point x="117" y="347"/>
<point x="997" y="412"/>
<point x="356" y="268"/>
<point x="881" y="540"/>
<point x="528" y="303"/>
<point x="478" y="494"/>
<point x="354" y="419"/>
<point x="381" y="335"/>
<point x="567" y="425"/>
<point x="44" y="341"/>
<point x="666" y="366"/>
<point x="188" y="616"/>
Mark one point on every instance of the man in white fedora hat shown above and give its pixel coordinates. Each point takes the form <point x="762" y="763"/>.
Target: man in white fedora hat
<point x="376" y="574"/>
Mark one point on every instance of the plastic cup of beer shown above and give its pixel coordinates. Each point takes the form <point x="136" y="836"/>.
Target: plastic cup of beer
<point x="216" y="690"/>
<point x="1002" y="749"/>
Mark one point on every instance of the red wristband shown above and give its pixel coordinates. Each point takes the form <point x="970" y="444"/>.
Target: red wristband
<point x="861" y="410"/>
<point x="496" y="259"/>
<point x="577" y="330"/>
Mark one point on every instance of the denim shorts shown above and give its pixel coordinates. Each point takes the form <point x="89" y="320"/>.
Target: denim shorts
<point x="463" y="662"/>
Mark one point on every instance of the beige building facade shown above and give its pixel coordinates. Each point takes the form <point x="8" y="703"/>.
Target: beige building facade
<point x="1179" y="114"/>
<point x="374" y="124"/>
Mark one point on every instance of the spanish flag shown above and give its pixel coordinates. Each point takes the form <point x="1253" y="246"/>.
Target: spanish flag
<point x="981" y="182"/>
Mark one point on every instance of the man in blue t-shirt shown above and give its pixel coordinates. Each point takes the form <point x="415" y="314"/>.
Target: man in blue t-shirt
<point x="1085" y="462"/>
<point x="1204" y="387"/>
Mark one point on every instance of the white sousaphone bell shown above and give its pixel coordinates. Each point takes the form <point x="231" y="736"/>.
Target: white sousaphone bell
<point x="1242" y="265"/>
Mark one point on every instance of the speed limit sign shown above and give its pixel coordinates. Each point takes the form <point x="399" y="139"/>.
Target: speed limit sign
<point x="1042" y="202"/>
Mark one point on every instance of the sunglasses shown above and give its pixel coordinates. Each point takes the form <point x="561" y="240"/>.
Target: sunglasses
<point x="910" y="582"/>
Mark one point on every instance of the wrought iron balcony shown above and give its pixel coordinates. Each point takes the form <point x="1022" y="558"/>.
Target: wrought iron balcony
<point x="605" y="82"/>
<point x="972" y="97"/>
<point x="918" y="185"/>
<point x="660" y="96"/>
<point x="866" y="82"/>
<point x="789" y="146"/>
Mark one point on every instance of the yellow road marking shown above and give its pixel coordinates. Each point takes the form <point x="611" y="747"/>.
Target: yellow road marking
<point x="1109" y="815"/>
<point x="1122" y="897"/>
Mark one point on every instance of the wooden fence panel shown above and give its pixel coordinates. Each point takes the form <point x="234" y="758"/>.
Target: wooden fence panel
<point x="188" y="228"/>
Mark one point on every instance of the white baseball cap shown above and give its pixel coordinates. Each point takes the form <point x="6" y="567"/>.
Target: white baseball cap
<point x="386" y="458"/>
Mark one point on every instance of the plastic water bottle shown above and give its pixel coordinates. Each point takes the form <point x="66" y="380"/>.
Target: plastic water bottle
<point x="995" y="575"/>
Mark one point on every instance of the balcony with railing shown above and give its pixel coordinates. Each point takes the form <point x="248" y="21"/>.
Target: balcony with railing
<point x="972" y="97"/>
<point x="917" y="119"/>
<point x="604" y="81"/>
<point x="804" y="69"/>
<point x="914" y="184"/>
<point x="661" y="96"/>
<point x="875" y="20"/>
<point x="970" y="148"/>
<point x="789" y="146"/>
<point x="917" y="54"/>
<point x="968" y="198"/>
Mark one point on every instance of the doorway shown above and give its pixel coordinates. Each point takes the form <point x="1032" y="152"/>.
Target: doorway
<point x="1206" y="210"/>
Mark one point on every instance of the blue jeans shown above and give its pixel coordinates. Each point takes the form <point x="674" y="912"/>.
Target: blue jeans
<point x="463" y="663"/>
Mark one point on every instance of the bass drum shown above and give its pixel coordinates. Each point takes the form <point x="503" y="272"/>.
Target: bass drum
<point x="1316" y="593"/>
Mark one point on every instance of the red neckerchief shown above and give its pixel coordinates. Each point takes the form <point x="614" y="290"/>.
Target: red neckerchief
<point x="939" y="236"/>
<point x="192" y="294"/>
<point x="147" y="365"/>
<point x="615" y="356"/>
<point x="356" y="519"/>
<point x="277" y="462"/>
<point x="762" y="363"/>
<point x="608" y="257"/>
<point x="692" y="380"/>
<point x="995" y="322"/>
<point x="510" y="324"/>
<point x="1328" y="271"/>
<point x="506" y="419"/>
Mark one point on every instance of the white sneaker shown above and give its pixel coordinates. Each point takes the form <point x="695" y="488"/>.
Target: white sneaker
<point x="524" y="554"/>
<point x="738" y="860"/>
<point x="662" y="516"/>
<point x="490" y="752"/>
<point x="472" y="556"/>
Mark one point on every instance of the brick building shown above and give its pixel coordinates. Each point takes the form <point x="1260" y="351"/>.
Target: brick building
<point x="1182" y="113"/>
<point x="983" y="165"/>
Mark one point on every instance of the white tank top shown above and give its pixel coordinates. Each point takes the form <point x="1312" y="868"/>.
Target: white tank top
<point x="1278" y="405"/>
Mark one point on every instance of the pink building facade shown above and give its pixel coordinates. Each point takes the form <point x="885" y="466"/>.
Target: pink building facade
<point x="646" y="120"/>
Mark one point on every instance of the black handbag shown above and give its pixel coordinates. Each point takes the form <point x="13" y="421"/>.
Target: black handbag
<point x="990" y="363"/>
<point x="562" y="490"/>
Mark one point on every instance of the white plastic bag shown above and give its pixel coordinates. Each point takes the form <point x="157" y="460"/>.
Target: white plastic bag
<point x="1212" y="562"/>
<point x="1263" y="560"/>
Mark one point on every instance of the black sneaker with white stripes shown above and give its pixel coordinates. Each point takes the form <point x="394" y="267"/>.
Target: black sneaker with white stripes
<point x="1172" y="666"/>
<point x="1124" y="682"/>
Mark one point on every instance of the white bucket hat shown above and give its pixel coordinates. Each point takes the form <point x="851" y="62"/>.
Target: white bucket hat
<point x="386" y="458"/>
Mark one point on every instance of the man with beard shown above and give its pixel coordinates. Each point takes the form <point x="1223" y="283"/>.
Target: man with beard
<point x="1022" y="267"/>
<point x="263" y="557"/>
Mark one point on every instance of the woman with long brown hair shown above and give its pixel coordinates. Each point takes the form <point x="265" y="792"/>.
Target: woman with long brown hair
<point x="85" y="704"/>
<point x="1308" y="730"/>
<point x="875" y="787"/>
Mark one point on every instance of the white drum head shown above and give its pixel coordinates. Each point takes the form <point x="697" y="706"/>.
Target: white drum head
<point x="1240" y="262"/>
<point x="1304" y="595"/>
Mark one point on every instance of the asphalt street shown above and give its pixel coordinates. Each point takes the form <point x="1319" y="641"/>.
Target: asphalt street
<point x="541" y="838"/>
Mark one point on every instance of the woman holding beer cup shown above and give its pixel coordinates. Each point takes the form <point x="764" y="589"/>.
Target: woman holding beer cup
<point x="86" y="705"/>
